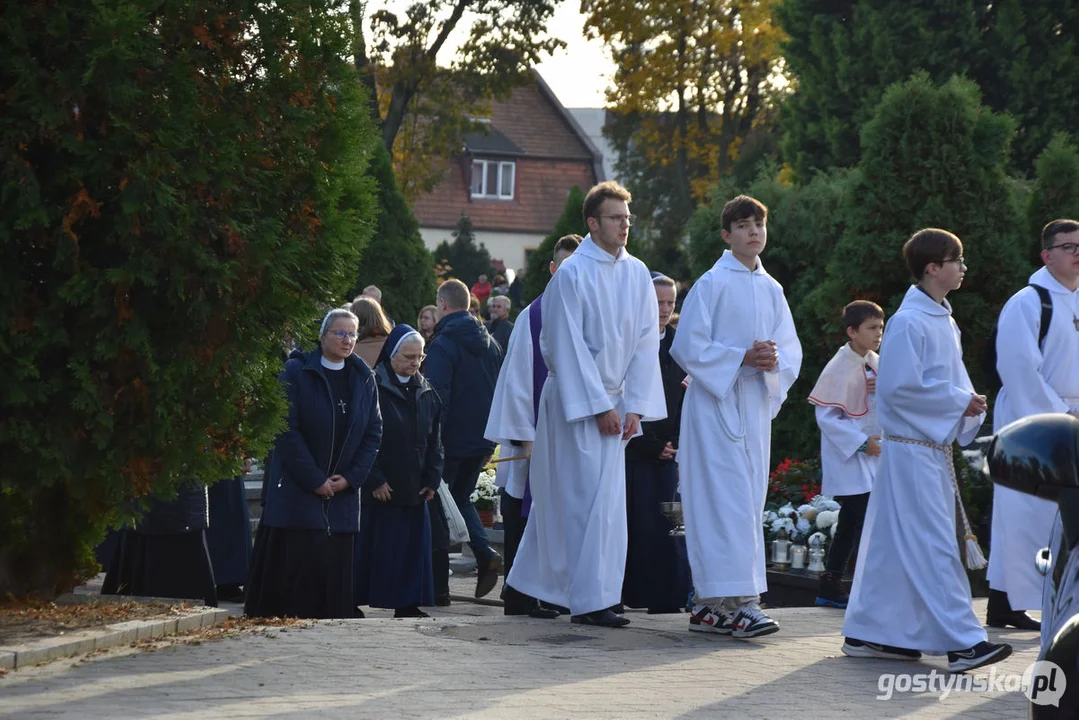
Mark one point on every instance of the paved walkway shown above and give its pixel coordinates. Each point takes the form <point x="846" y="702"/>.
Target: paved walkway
<point x="471" y="662"/>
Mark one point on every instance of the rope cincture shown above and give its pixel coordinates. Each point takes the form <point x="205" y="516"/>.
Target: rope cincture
<point x="974" y="557"/>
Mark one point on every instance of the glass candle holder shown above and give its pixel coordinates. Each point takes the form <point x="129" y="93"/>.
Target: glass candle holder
<point x="798" y="557"/>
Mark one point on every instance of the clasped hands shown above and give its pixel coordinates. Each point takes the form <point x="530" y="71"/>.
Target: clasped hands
<point x="977" y="405"/>
<point x="762" y="356"/>
<point x="384" y="492"/>
<point x="610" y="424"/>
<point x="333" y="485"/>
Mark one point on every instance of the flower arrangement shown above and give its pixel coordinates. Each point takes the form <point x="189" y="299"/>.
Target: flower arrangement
<point x="795" y="505"/>
<point x="486" y="492"/>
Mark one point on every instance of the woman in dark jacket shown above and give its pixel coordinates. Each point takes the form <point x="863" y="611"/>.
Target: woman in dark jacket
<point x="393" y="549"/>
<point x="657" y="568"/>
<point x="303" y="557"/>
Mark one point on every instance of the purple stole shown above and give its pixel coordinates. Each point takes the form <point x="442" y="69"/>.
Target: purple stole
<point x="539" y="376"/>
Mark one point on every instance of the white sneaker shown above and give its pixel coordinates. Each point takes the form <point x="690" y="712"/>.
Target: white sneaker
<point x="708" y="619"/>
<point x="750" y="621"/>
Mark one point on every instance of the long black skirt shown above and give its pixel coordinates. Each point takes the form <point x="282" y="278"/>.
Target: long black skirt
<point x="301" y="574"/>
<point x="657" y="567"/>
<point x="229" y="534"/>
<point x="393" y="556"/>
<point x="170" y="566"/>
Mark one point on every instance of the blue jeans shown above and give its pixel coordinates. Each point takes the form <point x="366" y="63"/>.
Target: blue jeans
<point x="461" y="475"/>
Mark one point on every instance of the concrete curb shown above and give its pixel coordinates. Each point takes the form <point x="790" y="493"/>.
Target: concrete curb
<point x="125" y="633"/>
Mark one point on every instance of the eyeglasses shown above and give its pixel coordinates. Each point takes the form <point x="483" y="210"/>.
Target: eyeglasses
<point x="414" y="358"/>
<point x="619" y="219"/>
<point x="959" y="260"/>
<point x="343" y="334"/>
<point x="1069" y="248"/>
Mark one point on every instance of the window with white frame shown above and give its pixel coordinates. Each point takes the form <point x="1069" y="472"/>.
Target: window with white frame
<point x="493" y="179"/>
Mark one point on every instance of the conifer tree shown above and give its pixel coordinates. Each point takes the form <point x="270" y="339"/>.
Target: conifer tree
<point x="181" y="183"/>
<point x="932" y="156"/>
<point x="396" y="259"/>
<point x="1056" y="190"/>
<point x="538" y="274"/>
<point x="466" y="258"/>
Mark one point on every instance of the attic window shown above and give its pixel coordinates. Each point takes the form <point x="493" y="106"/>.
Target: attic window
<point x="493" y="179"/>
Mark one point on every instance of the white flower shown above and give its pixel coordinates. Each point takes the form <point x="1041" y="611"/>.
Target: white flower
<point x="786" y="510"/>
<point x="783" y="523"/>
<point x="826" y="518"/>
<point x="803" y="526"/>
<point x="830" y="506"/>
<point x="820" y="537"/>
<point x="770" y="517"/>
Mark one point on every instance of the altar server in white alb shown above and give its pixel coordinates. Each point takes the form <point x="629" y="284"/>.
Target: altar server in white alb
<point x="1039" y="373"/>
<point x="737" y="342"/>
<point x="911" y="593"/>
<point x="601" y="348"/>
<point x="846" y="411"/>
<point x="512" y="424"/>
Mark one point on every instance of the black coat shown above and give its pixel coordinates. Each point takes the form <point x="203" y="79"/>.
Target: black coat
<point x="462" y="366"/>
<point x="410" y="456"/>
<point x="655" y="435"/>
<point x="500" y="330"/>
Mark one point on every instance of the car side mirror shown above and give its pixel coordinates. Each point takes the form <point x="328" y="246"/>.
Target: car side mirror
<point x="1039" y="455"/>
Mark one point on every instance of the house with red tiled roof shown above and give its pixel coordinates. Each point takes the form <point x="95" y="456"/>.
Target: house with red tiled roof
<point x="512" y="180"/>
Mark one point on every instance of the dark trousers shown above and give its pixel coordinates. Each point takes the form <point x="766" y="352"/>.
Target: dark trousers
<point x="461" y="475"/>
<point x="852" y="518"/>
<point x="440" y="548"/>
<point x="513" y="529"/>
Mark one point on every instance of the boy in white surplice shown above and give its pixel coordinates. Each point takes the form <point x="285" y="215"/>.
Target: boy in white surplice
<point x="736" y="340"/>
<point x="911" y="594"/>
<point x="846" y="410"/>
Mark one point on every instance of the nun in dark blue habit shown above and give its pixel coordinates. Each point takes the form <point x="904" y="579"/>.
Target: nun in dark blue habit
<point x="393" y="549"/>
<point x="657" y="568"/>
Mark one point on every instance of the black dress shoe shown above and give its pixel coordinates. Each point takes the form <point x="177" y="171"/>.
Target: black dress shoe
<point x="618" y="609"/>
<point x="412" y="611"/>
<point x="1016" y="619"/>
<point x="487" y="574"/>
<point x="442" y="600"/>
<point x="999" y="614"/>
<point x="542" y="612"/>
<point x="600" y="618"/>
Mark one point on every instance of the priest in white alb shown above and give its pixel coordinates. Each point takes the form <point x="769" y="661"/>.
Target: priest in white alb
<point x="1039" y="373"/>
<point x="736" y="340"/>
<point x="601" y="348"/>
<point x="512" y="424"/>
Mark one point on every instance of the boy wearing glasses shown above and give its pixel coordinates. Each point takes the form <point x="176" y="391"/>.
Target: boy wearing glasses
<point x="1039" y="373"/>
<point x="911" y="594"/>
<point x="736" y="340"/>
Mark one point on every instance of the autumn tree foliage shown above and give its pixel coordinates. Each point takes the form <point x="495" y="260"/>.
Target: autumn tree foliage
<point x="181" y="181"/>
<point x="690" y="94"/>
<point x="424" y="108"/>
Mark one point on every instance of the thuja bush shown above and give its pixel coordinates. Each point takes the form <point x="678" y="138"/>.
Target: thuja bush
<point x="181" y="181"/>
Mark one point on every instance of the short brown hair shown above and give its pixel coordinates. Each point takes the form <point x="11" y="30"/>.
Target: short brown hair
<point x="857" y="312"/>
<point x="1057" y="227"/>
<point x="661" y="279"/>
<point x="609" y="190"/>
<point x="371" y="318"/>
<point x="455" y="293"/>
<point x="740" y="208"/>
<point x="567" y="244"/>
<point x="931" y="246"/>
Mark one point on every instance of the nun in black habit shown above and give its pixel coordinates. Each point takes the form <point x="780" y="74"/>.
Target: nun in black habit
<point x="657" y="568"/>
<point x="393" y="549"/>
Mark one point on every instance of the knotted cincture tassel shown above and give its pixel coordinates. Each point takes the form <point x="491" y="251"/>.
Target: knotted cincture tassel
<point x="974" y="556"/>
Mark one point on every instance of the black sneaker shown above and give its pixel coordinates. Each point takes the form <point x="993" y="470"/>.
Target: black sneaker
<point x="984" y="653"/>
<point x="862" y="649"/>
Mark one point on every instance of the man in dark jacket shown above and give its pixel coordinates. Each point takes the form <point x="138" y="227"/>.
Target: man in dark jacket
<point x="462" y="365"/>
<point x="500" y="326"/>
